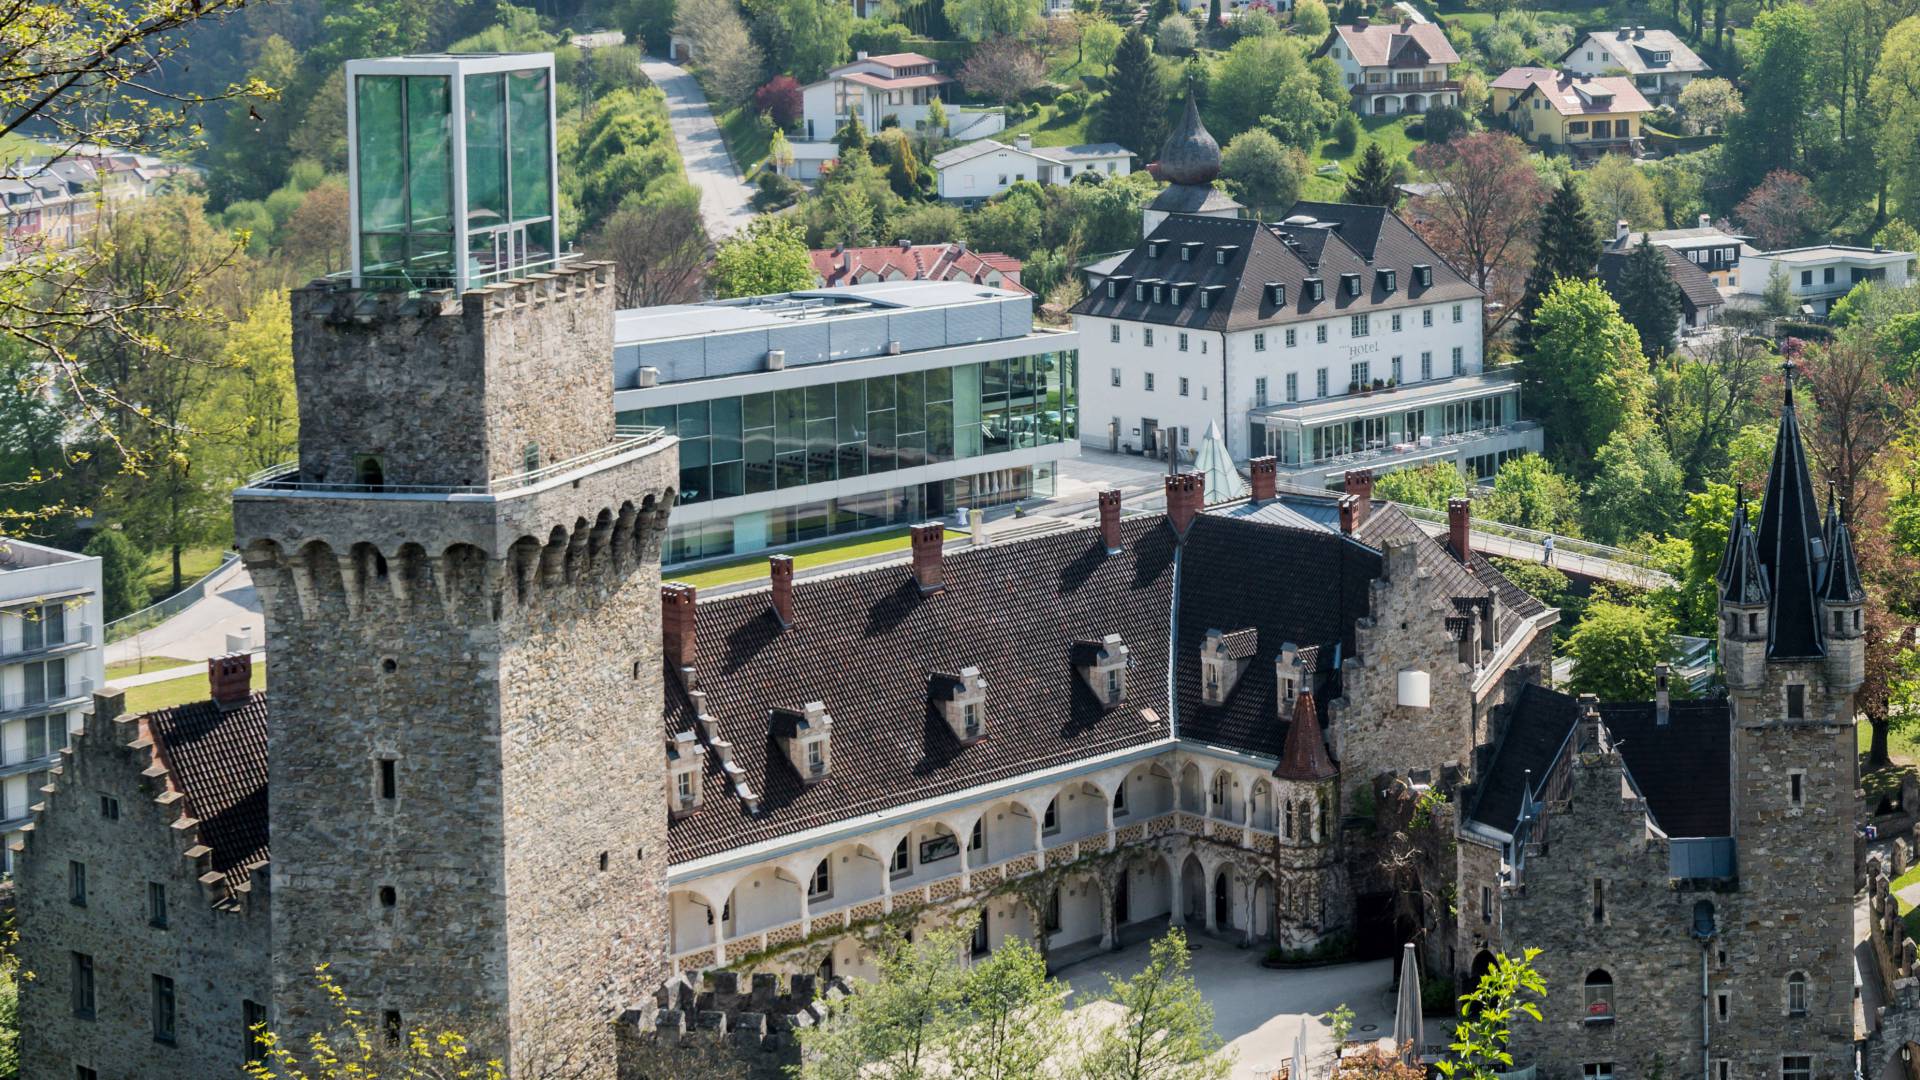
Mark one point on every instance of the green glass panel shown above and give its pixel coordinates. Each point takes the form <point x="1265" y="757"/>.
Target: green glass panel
<point x="880" y="393"/>
<point x="486" y="151"/>
<point x="429" y="256"/>
<point x="790" y="419"/>
<point x="758" y="409"/>
<point x="880" y="441"/>
<point x="820" y="402"/>
<point x="727" y="480"/>
<point x="693" y="421"/>
<point x="381" y="135"/>
<point x="530" y="140"/>
<point x="940" y="384"/>
<point x="380" y="253"/>
<point x="660" y="416"/>
<point x="759" y="460"/>
<point x="940" y="431"/>
<point x="429" y="153"/>
<point x="853" y="410"/>
<point x="967" y="439"/>
<point x="910" y="401"/>
<point x="726" y="429"/>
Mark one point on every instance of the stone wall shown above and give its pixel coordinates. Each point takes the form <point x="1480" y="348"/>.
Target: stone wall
<point x="452" y="390"/>
<point x="502" y="651"/>
<point x="726" y="1026"/>
<point x="216" y="953"/>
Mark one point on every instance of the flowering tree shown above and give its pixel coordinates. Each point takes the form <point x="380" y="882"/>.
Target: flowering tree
<point x="1780" y="212"/>
<point x="1003" y="68"/>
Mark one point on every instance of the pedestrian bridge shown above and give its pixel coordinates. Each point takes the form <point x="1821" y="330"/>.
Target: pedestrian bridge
<point x="1575" y="558"/>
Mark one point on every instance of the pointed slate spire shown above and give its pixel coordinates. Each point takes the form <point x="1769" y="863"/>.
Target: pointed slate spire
<point x="1789" y="542"/>
<point x="1190" y="155"/>
<point x="1842" y="583"/>
<point x="1746" y="578"/>
<point x="1733" y="535"/>
<point x="1305" y="756"/>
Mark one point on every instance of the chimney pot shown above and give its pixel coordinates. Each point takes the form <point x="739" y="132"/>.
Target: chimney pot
<point x="1706" y="221"/>
<point x="929" y="570"/>
<point x="1023" y="141"/>
<point x="1460" y="528"/>
<point x="780" y="571"/>
<point x="1662" y="696"/>
<point x="1360" y="486"/>
<point x="906" y="243"/>
<point x="1621" y="228"/>
<point x="677" y="623"/>
<point x="1110" y="520"/>
<point x="230" y="679"/>
<point x="1264" y="472"/>
<point x="1185" y="494"/>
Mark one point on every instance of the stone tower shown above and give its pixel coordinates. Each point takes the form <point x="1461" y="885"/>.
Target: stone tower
<point x="1790" y="638"/>
<point x="1310" y="876"/>
<point x="461" y="583"/>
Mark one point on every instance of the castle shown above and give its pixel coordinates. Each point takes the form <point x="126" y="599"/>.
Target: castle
<point x="506" y="778"/>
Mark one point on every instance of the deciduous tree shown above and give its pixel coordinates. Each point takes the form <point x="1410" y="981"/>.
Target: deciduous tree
<point x="1709" y="105"/>
<point x="780" y="99"/>
<point x="1781" y="212"/>
<point x="658" y="246"/>
<point x="1481" y="214"/>
<point x="1012" y="1014"/>
<point x="1429" y="485"/>
<point x="1166" y="1029"/>
<point x="1264" y="174"/>
<point x="1858" y="414"/>
<point x="1615" y="649"/>
<point x="1895" y="97"/>
<point x="978" y="20"/>
<point x="1529" y="492"/>
<point x="894" y="1023"/>
<point x="1003" y="68"/>
<point x="1586" y="371"/>
<point x="1771" y="133"/>
<point x="1618" y="189"/>
<point x="1636" y="488"/>
<point x="768" y="256"/>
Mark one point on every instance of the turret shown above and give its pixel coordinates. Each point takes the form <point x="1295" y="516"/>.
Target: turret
<point x="1842" y="607"/>
<point x="1744" y="614"/>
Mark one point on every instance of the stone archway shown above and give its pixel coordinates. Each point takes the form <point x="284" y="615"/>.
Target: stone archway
<point x="1260" y="915"/>
<point x="1223" y="899"/>
<point x="1193" y="890"/>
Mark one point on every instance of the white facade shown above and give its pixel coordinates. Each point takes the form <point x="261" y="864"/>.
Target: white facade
<point x="1820" y="275"/>
<point x="953" y="850"/>
<point x="1137" y="380"/>
<point x="50" y="665"/>
<point x="1661" y="66"/>
<point x="901" y="88"/>
<point x="1380" y="90"/>
<point x="982" y="175"/>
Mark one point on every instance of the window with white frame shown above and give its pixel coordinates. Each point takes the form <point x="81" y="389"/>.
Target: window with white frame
<point x="821" y="883"/>
<point x="1260" y="342"/>
<point x="1293" y="386"/>
<point x="1426" y="317"/>
<point x="1320" y="382"/>
<point x="1113" y="333"/>
<point x="902" y="862"/>
<point x="1113" y="376"/>
<point x="43" y="626"/>
<point x="977" y="840"/>
<point x="1320" y="334"/>
<point x="1293" y="336"/>
<point x="1149" y="381"/>
<point x="817" y="756"/>
<point x="1597" y="1070"/>
<point x="1183" y="341"/>
<point x="1260" y="391"/>
<point x="1796" y="1067"/>
<point x="1357" y="325"/>
<point x="1426" y="366"/>
<point x="1396" y="322"/>
<point x="1458" y="309"/>
<point x="1361" y="373"/>
<point x="683" y="786"/>
<point x="1393" y="370"/>
<point x="1120" y="799"/>
<point x="1797" y="994"/>
<point x="1050" y="821"/>
<point x="1146" y="335"/>
<point x="1184" y="385"/>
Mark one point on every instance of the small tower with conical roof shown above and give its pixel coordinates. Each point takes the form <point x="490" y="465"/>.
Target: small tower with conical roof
<point x="1310" y="878"/>
<point x="1791" y="642"/>
<point x="1189" y="162"/>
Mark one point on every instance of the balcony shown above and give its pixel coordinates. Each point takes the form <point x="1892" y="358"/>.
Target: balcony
<point x="23" y="703"/>
<point x="74" y="639"/>
<point x="1438" y="86"/>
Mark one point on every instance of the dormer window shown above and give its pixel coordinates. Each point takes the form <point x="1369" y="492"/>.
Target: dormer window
<point x="1386" y="280"/>
<point x="685" y="757"/>
<point x="1139" y="291"/>
<point x="1277" y="293"/>
<point x="1103" y="664"/>
<point x="1159" y="294"/>
<point x="1316" y="289"/>
<point x="1209" y="293"/>
<point x="1289" y="675"/>
<point x="1189" y="249"/>
<point x="1350" y="283"/>
<point x="1223" y="656"/>
<point x="1423" y="275"/>
<point x="806" y="736"/>
<point x="962" y="701"/>
<point x="1223" y="253"/>
<point x="1153" y="248"/>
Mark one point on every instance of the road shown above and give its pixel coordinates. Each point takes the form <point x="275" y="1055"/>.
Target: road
<point x="200" y="630"/>
<point x="710" y="168"/>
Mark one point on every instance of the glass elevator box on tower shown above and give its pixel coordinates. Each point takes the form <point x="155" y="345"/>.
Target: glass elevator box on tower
<point x="451" y="166"/>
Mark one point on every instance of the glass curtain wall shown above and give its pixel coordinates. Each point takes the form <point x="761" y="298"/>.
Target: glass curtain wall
<point x="786" y="439"/>
<point x="404" y="142"/>
<point x="509" y="173"/>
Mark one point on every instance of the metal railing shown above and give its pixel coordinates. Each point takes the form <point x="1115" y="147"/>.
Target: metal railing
<point x="1566" y="549"/>
<point x="27" y="701"/>
<point x="154" y="614"/>
<point x="625" y="438"/>
<point x="1416" y="447"/>
<point x="71" y="637"/>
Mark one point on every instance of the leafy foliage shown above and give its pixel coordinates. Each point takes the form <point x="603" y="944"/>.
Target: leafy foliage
<point x="1429" y="485"/>
<point x="1133" y="112"/>
<point x="768" y="256"/>
<point x="1166" y="1030"/>
<point x="1506" y="992"/>
<point x="1586" y="371"/>
<point x="1615" y="649"/>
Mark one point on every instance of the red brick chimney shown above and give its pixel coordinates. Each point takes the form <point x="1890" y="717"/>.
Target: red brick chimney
<point x="1264" y="472"/>
<point x="928" y="568"/>
<point x="677" y="623"/>
<point x="1346" y="504"/>
<point x="780" y="569"/>
<point x="230" y="679"/>
<point x="1460" y="528"/>
<point x="1110" y="520"/>
<point x="1360" y="486"/>
<point x="1185" y="493"/>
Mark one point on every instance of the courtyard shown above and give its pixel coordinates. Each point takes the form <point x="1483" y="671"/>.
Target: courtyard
<point x="1257" y="1010"/>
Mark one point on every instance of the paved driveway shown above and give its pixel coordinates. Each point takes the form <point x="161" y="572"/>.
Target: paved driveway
<point x="723" y="195"/>
<point x="1257" y="1010"/>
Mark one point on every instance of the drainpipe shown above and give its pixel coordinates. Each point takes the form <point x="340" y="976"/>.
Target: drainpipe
<point x="1706" y="1015"/>
<point x="1173" y="651"/>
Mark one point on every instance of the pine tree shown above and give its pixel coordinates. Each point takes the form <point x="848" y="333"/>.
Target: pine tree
<point x="1375" y="181"/>
<point x="1648" y="298"/>
<point x="851" y="136"/>
<point x="1134" y="112"/>
<point x="1568" y="246"/>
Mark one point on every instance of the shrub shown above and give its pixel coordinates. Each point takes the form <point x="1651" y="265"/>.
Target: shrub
<point x="780" y="99"/>
<point x="1442" y="124"/>
<point x="1346" y="132"/>
<point x="1069" y="104"/>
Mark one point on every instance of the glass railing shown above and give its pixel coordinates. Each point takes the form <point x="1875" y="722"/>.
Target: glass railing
<point x="625" y="438"/>
<point x="45" y="696"/>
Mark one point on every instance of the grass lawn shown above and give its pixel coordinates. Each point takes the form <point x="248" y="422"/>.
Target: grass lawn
<point x="824" y="553"/>
<point x="195" y="563"/>
<point x="159" y="695"/>
<point x="1389" y="131"/>
<point x="143" y="665"/>
<point x="745" y="136"/>
<point x="1049" y="128"/>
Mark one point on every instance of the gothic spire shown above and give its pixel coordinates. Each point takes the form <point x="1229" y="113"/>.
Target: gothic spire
<point x="1789" y="541"/>
<point x="1745" y="579"/>
<point x="1305" y="756"/>
<point x="1733" y="535"/>
<point x="1842" y="582"/>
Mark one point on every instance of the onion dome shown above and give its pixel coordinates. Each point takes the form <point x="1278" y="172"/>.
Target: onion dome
<point x="1190" y="155"/>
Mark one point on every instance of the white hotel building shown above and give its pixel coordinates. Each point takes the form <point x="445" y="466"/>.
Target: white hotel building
<point x="1334" y="340"/>
<point x="50" y="665"/>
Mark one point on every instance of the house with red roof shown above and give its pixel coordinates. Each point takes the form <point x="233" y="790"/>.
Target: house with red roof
<point x="896" y="87"/>
<point x="908" y="261"/>
<point x="1583" y="113"/>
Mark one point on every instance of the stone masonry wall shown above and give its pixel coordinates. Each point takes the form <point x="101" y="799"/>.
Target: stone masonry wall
<point x="452" y="390"/>
<point x="217" y="956"/>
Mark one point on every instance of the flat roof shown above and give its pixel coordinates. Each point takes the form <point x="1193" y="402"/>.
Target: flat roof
<point x="1418" y="395"/>
<point x="808" y="305"/>
<point x="20" y="555"/>
<point x="1823" y="252"/>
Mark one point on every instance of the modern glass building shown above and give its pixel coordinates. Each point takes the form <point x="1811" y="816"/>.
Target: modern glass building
<point x="451" y="168"/>
<point x="805" y="415"/>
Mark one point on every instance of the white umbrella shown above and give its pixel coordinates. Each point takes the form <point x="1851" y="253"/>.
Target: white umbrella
<point x="1300" y="1052"/>
<point x="1407" y="1033"/>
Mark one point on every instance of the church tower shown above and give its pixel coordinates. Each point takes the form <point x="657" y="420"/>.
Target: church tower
<point x="461" y="584"/>
<point x="1311" y="878"/>
<point x="1791" y="645"/>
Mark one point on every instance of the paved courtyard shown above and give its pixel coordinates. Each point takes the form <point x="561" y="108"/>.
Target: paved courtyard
<point x="1258" y="1010"/>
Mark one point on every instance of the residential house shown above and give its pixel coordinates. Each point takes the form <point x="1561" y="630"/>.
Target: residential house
<point x="1657" y="61"/>
<point x="896" y="88"/>
<point x="1820" y="274"/>
<point x="907" y="261"/>
<point x="1582" y="113"/>
<point x="980" y="170"/>
<point x="827" y="411"/>
<point x="1700" y="300"/>
<point x="1708" y="246"/>
<point x="1393" y="67"/>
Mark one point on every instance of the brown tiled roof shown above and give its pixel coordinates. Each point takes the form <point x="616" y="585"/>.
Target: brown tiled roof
<point x="920" y="262"/>
<point x="1408" y="44"/>
<point x="1306" y="753"/>
<point x="218" y="759"/>
<point x="865" y="644"/>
